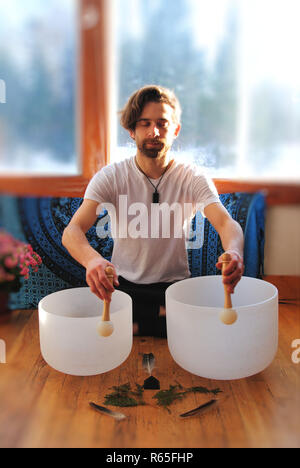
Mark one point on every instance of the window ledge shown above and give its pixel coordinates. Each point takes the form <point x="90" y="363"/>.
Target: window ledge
<point x="74" y="186"/>
<point x="277" y="193"/>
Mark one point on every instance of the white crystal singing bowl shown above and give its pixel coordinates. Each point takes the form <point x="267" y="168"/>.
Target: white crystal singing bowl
<point x="201" y="344"/>
<point x="69" y="339"/>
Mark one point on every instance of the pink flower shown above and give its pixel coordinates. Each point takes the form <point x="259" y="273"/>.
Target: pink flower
<point x="24" y="271"/>
<point x="9" y="277"/>
<point x="29" y="248"/>
<point x="11" y="262"/>
<point x="16" y="256"/>
<point x="38" y="259"/>
<point x="21" y="258"/>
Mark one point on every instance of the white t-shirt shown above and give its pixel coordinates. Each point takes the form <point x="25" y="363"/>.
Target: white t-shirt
<point x="150" y="238"/>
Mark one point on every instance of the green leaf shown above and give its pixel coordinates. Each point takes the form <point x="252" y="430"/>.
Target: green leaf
<point x="166" y="397"/>
<point x="123" y="396"/>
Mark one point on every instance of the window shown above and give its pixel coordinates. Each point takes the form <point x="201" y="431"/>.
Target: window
<point x="38" y="64"/>
<point x="86" y="116"/>
<point x="203" y="50"/>
<point x="233" y="64"/>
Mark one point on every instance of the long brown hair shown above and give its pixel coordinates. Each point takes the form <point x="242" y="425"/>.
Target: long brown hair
<point x="150" y="93"/>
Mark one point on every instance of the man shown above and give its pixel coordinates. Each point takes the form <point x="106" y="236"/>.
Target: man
<point x="149" y="252"/>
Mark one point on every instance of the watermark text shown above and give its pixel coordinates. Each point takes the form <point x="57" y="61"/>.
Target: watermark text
<point x="156" y="221"/>
<point x="2" y="352"/>
<point x="296" y="353"/>
<point x="2" y="92"/>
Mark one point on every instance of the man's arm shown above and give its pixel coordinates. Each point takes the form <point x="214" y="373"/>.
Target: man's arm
<point x="232" y="239"/>
<point x="75" y="241"/>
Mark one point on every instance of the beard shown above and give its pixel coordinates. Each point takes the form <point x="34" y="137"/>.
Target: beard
<point x="153" y="148"/>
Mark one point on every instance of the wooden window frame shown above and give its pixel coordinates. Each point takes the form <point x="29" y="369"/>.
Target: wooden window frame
<point x="94" y="91"/>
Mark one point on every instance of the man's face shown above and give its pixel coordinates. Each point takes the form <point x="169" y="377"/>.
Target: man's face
<point x="155" y="130"/>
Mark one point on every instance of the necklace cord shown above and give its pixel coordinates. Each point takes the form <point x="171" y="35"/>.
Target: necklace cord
<point x="155" y="186"/>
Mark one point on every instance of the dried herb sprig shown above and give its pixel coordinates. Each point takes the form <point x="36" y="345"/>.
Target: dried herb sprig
<point x="166" y="397"/>
<point x="123" y="396"/>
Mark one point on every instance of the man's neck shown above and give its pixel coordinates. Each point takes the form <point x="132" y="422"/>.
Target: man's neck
<point x="153" y="167"/>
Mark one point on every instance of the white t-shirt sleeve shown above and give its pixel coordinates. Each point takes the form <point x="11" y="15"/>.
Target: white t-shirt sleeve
<point x="101" y="187"/>
<point x="204" y="191"/>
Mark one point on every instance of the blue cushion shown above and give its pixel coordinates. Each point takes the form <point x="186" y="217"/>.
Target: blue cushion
<point x="41" y="221"/>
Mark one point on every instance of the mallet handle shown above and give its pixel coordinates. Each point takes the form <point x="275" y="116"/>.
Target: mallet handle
<point x="226" y="259"/>
<point x="105" y="314"/>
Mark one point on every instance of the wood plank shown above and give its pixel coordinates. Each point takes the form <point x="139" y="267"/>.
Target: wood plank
<point x="72" y="186"/>
<point x="277" y="193"/>
<point x="40" y="407"/>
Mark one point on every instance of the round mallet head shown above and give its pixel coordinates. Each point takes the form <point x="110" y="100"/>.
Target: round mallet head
<point x="105" y="328"/>
<point x="228" y="316"/>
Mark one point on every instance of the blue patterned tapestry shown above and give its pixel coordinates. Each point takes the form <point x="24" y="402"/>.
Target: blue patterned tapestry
<point x="248" y="209"/>
<point x="41" y="222"/>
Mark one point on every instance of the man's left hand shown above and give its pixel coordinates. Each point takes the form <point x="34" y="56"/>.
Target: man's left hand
<point x="233" y="271"/>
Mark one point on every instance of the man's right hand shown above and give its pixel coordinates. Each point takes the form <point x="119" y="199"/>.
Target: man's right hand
<point x="97" y="280"/>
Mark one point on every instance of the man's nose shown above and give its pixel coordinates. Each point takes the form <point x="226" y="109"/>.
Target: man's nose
<point x="154" y="130"/>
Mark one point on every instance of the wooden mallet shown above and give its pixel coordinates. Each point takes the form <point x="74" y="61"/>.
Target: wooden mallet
<point x="105" y="327"/>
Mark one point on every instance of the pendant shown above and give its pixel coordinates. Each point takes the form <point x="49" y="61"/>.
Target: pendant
<point x="155" y="197"/>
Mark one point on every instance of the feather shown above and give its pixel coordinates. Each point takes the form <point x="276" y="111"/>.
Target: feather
<point x="148" y="362"/>
<point x="198" y="410"/>
<point x="151" y="383"/>
<point x="103" y="410"/>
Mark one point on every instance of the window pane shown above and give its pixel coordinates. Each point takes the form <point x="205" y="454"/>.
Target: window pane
<point x="272" y="87"/>
<point x="38" y="61"/>
<point x="239" y="94"/>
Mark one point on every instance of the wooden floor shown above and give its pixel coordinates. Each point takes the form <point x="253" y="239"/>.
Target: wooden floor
<point x="40" y="407"/>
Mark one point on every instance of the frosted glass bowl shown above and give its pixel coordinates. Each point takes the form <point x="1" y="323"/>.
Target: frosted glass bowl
<point x="201" y="344"/>
<point x="68" y="332"/>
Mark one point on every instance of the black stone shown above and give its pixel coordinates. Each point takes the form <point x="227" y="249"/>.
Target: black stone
<point x="151" y="384"/>
<point x="155" y="197"/>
